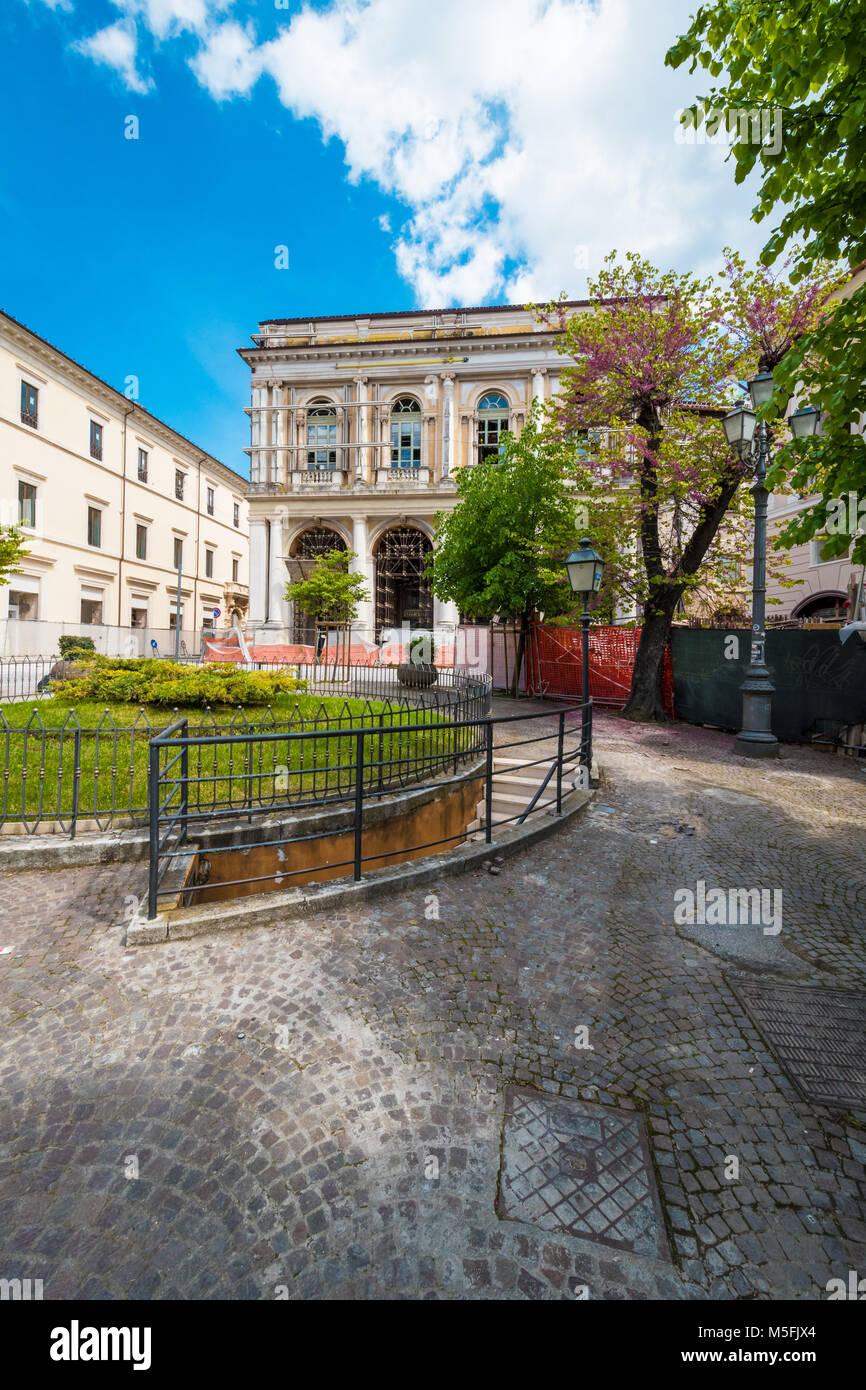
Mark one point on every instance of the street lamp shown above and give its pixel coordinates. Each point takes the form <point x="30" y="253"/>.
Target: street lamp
<point x="584" y="568"/>
<point x="750" y="439"/>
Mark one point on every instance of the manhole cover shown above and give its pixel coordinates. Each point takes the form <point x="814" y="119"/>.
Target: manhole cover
<point x="584" y="1169"/>
<point x="818" y="1036"/>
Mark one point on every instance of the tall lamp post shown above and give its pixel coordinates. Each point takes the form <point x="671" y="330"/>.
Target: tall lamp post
<point x="752" y="440"/>
<point x="585" y="568"/>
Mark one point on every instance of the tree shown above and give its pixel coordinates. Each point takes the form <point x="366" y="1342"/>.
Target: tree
<point x="330" y="592"/>
<point x="807" y="60"/>
<point x="12" y="551"/>
<point x="655" y="365"/>
<point x="501" y="551"/>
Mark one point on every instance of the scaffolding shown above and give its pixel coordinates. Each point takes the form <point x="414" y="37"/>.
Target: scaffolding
<point x="403" y="594"/>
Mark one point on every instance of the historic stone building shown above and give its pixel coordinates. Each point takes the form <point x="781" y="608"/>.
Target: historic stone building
<point x="360" y="424"/>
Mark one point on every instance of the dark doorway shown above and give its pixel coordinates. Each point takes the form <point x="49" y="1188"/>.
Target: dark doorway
<point x="403" y="594"/>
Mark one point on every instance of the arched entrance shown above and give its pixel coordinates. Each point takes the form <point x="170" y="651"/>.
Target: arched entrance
<point x="403" y="595"/>
<point x="830" y="605"/>
<point x="306" y="549"/>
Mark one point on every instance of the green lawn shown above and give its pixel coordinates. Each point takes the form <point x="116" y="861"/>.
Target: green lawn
<point x="257" y="771"/>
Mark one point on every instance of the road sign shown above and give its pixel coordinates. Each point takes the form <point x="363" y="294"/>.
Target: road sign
<point x="216" y="612"/>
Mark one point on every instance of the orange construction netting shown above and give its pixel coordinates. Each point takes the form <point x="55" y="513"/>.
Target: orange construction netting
<point x="555" y="667"/>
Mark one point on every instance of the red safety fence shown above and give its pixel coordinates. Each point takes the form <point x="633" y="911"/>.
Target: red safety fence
<point x="554" y="664"/>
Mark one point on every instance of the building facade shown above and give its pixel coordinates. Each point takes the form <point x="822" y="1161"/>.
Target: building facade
<point x="359" y="426"/>
<point x="110" y="500"/>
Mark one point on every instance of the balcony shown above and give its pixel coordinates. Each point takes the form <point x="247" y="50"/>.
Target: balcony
<point x="402" y="479"/>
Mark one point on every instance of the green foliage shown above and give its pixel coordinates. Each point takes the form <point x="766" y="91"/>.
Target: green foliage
<point x="146" y="682"/>
<point x="331" y="593"/>
<point x="807" y="59"/>
<point x="422" y="651"/>
<point x="69" y="646"/>
<point x="12" y="551"/>
<point x="502" y="550"/>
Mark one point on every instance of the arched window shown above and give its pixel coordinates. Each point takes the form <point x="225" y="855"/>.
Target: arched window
<point x="492" y="424"/>
<point x="405" y="433"/>
<point x="321" y="435"/>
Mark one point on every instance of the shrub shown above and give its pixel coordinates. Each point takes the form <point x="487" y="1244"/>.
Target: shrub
<point x="143" y="681"/>
<point x="69" y="646"/>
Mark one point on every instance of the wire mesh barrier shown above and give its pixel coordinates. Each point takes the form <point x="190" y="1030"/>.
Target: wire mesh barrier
<point x="200" y="784"/>
<point x="57" y="776"/>
<point x="554" y="664"/>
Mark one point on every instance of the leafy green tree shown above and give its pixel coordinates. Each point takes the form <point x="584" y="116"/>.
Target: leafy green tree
<point x="12" y="551"/>
<point x="807" y="60"/>
<point x="501" y="551"/>
<point x="331" y="593"/>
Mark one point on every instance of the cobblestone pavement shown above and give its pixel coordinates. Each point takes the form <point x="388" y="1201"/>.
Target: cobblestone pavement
<point x="316" y="1110"/>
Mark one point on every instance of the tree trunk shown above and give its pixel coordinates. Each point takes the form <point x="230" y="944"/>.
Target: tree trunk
<point x="645" y="699"/>
<point x="521" y="648"/>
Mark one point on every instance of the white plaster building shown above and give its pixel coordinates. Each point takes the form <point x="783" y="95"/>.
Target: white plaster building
<point x="359" y="426"/>
<point x="109" y="498"/>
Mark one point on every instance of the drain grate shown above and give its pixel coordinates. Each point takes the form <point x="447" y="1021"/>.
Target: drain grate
<point x="818" y="1036"/>
<point x="584" y="1169"/>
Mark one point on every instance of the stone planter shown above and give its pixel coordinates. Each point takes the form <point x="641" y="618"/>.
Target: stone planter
<point x="417" y="677"/>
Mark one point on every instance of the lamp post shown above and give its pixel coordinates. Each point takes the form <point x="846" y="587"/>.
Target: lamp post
<point x="585" y="568"/>
<point x="751" y="440"/>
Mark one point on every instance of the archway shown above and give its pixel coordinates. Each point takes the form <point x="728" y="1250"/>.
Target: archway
<point x="831" y="605"/>
<point x="403" y="595"/>
<point x="305" y="550"/>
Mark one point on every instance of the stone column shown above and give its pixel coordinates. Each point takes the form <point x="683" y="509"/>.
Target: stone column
<point x="384" y="454"/>
<point x="361" y="471"/>
<point x="277" y="574"/>
<point x="258" y="570"/>
<point x="280" y="432"/>
<point x="364" y="624"/>
<point x="447" y="423"/>
<point x="538" y="384"/>
<point x="255" y="436"/>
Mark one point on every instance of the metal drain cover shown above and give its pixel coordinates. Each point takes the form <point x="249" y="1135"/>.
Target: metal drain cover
<point x="584" y="1169"/>
<point x="818" y="1036"/>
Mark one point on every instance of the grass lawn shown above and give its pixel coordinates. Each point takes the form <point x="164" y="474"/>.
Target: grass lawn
<point x="256" y="771"/>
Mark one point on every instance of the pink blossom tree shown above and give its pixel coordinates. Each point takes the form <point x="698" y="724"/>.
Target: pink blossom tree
<point x="654" y="363"/>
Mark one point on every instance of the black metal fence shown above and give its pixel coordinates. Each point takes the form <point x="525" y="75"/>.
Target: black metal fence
<point x="55" y="777"/>
<point x="365" y="763"/>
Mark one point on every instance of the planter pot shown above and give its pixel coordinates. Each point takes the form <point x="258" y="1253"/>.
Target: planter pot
<point x="417" y="677"/>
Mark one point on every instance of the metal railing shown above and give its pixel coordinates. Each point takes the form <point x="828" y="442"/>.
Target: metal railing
<point x="366" y="765"/>
<point x="56" y="776"/>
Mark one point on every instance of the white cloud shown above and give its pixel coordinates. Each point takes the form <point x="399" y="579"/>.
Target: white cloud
<point x="385" y="222"/>
<point x="228" y="64"/>
<point x="165" y="18"/>
<point x="513" y="131"/>
<point x="117" y="48"/>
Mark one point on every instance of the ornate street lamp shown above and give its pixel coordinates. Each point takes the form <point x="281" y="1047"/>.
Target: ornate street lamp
<point x="585" y="568"/>
<point x="751" y="440"/>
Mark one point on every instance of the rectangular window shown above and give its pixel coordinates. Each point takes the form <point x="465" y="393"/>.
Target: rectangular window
<point x="818" y="557"/>
<point x="179" y="479"/>
<point x="207" y="620"/>
<point x="29" y="404"/>
<point x="210" y="501"/>
<point x="95" y="440"/>
<point x="142" y="465"/>
<point x="236" y="514"/>
<point x="141" y="542"/>
<point x="172" y="618"/>
<point x="178" y="553"/>
<point x="208" y="564"/>
<point x="235" y="570"/>
<point x="94" y="526"/>
<point x="138" y="617"/>
<point x="91" y="610"/>
<point x="27" y="505"/>
<point x="23" y="606"/>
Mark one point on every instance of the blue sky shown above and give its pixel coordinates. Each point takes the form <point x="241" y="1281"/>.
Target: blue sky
<point x="471" y="151"/>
